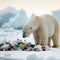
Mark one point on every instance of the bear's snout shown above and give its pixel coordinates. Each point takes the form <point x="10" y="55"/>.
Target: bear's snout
<point x="24" y="35"/>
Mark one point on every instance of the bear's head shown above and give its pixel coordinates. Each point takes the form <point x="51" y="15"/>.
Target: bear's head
<point x="31" y="27"/>
<point x="27" y="30"/>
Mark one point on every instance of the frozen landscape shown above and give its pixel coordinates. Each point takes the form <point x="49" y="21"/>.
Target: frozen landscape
<point x="11" y="21"/>
<point x="11" y="35"/>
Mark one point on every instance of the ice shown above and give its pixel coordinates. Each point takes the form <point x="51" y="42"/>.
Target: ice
<point x="38" y="46"/>
<point x="18" y="21"/>
<point x="5" y="46"/>
<point x="13" y="35"/>
<point x="52" y="54"/>
<point x="32" y="57"/>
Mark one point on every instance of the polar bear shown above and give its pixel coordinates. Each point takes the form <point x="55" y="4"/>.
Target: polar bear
<point x="44" y="28"/>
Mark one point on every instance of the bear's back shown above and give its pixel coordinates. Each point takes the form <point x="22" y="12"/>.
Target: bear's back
<point x="49" y="23"/>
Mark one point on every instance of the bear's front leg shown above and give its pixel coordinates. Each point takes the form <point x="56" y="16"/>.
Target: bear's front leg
<point x="36" y="37"/>
<point x="45" y="42"/>
<point x="44" y="37"/>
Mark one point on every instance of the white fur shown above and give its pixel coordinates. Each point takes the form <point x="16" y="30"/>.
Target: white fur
<point x="49" y="24"/>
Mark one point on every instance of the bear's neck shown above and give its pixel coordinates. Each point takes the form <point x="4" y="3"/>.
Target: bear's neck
<point x="36" y="23"/>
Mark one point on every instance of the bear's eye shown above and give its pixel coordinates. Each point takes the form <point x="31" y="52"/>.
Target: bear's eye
<point x="30" y="27"/>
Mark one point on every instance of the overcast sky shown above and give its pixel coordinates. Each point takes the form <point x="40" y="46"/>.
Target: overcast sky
<point x="37" y="7"/>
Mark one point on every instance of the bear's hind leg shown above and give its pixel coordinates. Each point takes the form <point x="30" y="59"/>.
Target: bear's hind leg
<point x="56" y="39"/>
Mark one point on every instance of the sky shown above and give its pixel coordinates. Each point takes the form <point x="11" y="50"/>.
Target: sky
<point x="37" y="7"/>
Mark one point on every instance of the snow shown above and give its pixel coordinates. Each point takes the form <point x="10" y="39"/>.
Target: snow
<point x="30" y="55"/>
<point x="39" y="47"/>
<point x="11" y="35"/>
<point x="17" y="19"/>
<point x="10" y="17"/>
<point x="56" y="14"/>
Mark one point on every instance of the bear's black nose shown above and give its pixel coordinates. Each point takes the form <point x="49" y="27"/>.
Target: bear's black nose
<point x="24" y="35"/>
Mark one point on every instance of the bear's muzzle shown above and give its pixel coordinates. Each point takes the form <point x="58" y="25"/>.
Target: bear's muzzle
<point x="24" y="35"/>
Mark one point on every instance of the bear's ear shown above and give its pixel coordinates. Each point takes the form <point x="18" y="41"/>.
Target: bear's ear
<point x="30" y="27"/>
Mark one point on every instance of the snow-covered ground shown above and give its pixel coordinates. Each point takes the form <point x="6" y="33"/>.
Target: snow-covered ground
<point x="11" y="34"/>
<point x="22" y="55"/>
